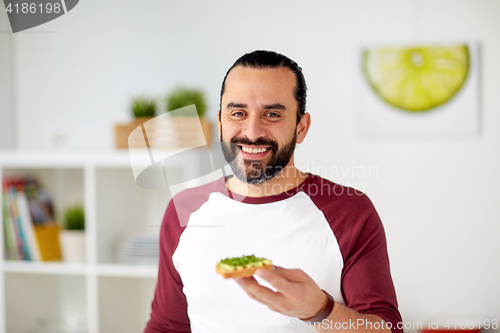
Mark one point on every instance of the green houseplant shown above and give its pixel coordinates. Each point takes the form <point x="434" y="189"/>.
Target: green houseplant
<point x="74" y="218"/>
<point x="182" y="97"/>
<point x="143" y="107"/>
<point x="73" y="234"/>
<point x="188" y="133"/>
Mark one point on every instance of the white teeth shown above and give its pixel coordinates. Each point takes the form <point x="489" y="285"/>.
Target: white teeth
<point x="253" y="150"/>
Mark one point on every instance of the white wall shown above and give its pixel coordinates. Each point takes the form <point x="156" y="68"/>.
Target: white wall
<point x="438" y="197"/>
<point x="6" y="107"/>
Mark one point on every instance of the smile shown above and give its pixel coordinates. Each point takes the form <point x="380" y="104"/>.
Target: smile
<point x="253" y="150"/>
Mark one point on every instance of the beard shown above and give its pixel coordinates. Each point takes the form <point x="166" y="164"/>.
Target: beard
<point x="253" y="171"/>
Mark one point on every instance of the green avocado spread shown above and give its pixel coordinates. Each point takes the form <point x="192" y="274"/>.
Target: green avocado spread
<point x="238" y="263"/>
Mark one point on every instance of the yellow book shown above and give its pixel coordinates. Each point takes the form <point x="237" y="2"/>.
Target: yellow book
<point x="47" y="236"/>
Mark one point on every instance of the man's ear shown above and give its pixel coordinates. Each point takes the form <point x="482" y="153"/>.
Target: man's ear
<point x="219" y="125"/>
<point x="303" y="127"/>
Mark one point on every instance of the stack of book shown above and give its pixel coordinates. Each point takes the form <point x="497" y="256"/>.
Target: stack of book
<point x="30" y="230"/>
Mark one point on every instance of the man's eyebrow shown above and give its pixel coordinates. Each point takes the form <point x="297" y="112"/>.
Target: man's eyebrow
<point x="276" y="106"/>
<point x="236" y="105"/>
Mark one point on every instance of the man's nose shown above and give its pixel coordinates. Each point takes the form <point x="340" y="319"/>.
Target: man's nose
<point x="254" y="128"/>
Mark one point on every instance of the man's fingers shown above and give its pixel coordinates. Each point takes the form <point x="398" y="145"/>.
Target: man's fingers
<point x="256" y="291"/>
<point x="293" y="287"/>
<point x="245" y="282"/>
<point x="292" y="275"/>
<point x="280" y="278"/>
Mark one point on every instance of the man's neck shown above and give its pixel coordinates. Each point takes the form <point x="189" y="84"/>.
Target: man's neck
<point x="289" y="178"/>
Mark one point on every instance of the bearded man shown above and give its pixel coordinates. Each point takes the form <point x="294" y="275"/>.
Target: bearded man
<point x="331" y="268"/>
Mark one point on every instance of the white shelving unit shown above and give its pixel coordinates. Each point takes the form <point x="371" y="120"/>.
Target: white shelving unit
<point x="101" y="294"/>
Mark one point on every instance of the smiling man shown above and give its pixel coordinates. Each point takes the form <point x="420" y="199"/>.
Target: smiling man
<point x="260" y="117"/>
<point x="331" y="269"/>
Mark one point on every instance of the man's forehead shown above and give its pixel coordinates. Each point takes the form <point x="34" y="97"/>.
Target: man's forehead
<point x="265" y="81"/>
<point x="243" y="72"/>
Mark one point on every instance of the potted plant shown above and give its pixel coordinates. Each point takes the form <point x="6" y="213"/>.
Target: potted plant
<point x="142" y="109"/>
<point x="187" y="127"/>
<point x="182" y="97"/>
<point x="73" y="234"/>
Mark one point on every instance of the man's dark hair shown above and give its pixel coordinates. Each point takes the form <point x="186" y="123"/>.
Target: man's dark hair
<point x="270" y="59"/>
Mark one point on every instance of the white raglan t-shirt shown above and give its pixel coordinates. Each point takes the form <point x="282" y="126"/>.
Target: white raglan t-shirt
<point x="331" y="232"/>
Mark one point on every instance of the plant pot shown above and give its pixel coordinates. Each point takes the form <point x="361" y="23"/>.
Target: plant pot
<point x="73" y="245"/>
<point x="164" y="133"/>
<point x="122" y="131"/>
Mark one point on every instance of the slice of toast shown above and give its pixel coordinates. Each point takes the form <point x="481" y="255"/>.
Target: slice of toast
<point x="244" y="266"/>
<point x="245" y="272"/>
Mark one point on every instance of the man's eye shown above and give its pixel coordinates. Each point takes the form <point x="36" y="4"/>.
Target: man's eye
<point x="237" y="114"/>
<point x="272" y="115"/>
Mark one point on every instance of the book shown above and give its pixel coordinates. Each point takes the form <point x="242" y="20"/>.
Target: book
<point x="9" y="233"/>
<point x="33" y="233"/>
<point x="13" y="224"/>
<point x="16" y="218"/>
<point x="46" y="230"/>
<point x="27" y="226"/>
<point x="40" y="203"/>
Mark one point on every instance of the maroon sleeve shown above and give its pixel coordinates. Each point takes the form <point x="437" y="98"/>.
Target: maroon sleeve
<point x="366" y="281"/>
<point x="169" y="307"/>
<point x="367" y="285"/>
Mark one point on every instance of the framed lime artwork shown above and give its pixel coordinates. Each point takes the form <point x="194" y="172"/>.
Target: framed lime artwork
<point x="418" y="89"/>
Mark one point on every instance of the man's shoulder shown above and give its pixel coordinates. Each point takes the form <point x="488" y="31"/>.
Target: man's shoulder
<point x="184" y="203"/>
<point x="323" y="191"/>
<point x="319" y="186"/>
<point x="202" y="191"/>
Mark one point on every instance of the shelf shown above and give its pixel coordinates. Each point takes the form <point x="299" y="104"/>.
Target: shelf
<point x="52" y="159"/>
<point x="118" y="270"/>
<point x="106" y="295"/>
<point x="56" y="268"/>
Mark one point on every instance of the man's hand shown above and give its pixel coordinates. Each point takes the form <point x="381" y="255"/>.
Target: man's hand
<point x="297" y="294"/>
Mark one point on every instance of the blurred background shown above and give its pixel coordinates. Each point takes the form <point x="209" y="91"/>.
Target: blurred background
<point x="71" y="79"/>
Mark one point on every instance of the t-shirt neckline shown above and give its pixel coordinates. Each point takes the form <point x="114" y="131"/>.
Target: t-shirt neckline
<point x="266" y="199"/>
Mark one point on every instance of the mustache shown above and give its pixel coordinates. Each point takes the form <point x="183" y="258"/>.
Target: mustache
<point x="259" y="142"/>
